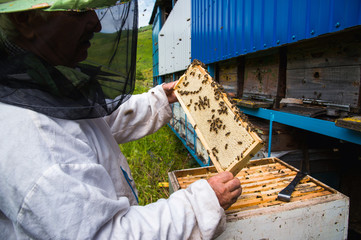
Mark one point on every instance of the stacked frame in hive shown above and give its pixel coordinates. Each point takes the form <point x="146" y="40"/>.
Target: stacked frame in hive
<point x="224" y="131"/>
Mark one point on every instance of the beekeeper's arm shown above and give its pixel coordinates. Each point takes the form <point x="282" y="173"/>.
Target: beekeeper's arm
<point x="142" y="114"/>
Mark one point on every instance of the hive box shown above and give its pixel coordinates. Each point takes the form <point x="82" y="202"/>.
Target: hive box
<point x="315" y="211"/>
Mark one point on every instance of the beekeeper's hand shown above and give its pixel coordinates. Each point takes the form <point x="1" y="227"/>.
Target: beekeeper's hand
<point x="169" y="91"/>
<point x="226" y="187"/>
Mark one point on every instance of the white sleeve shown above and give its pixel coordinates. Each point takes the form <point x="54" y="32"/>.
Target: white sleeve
<point x="141" y="115"/>
<point x="77" y="201"/>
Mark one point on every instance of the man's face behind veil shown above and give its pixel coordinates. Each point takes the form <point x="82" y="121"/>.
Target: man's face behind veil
<point x="61" y="38"/>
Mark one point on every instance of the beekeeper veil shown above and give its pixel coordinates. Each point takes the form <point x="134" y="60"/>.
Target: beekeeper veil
<point x="69" y="59"/>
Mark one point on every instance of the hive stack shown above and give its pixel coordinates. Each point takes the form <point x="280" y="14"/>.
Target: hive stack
<point x="223" y="130"/>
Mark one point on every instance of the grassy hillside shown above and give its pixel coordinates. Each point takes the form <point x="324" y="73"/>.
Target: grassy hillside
<point x="102" y="46"/>
<point x="144" y="59"/>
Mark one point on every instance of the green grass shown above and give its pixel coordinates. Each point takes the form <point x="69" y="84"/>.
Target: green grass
<point x="151" y="158"/>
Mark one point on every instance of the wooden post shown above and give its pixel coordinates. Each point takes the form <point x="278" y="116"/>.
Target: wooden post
<point x="216" y="72"/>
<point x="240" y="76"/>
<point x="282" y="76"/>
<point x="359" y="96"/>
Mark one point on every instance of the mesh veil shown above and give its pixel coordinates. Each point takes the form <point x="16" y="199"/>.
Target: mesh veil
<point x="94" y="88"/>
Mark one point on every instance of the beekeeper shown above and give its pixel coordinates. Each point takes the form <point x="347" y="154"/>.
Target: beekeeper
<point x="67" y="72"/>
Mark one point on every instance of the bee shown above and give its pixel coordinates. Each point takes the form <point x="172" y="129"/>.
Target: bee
<point x="224" y="126"/>
<point x="213" y="110"/>
<point x="226" y="146"/>
<point x="199" y="75"/>
<point x="227" y="134"/>
<point x="195" y="126"/>
<point x="240" y="143"/>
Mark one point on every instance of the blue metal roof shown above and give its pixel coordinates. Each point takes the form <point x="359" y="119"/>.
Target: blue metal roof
<point x="223" y="29"/>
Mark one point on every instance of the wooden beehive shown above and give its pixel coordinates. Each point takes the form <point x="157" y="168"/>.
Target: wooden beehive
<point x="225" y="132"/>
<point x="315" y="211"/>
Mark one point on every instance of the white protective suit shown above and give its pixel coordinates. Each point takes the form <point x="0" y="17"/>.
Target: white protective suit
<point x="63" y="179"/>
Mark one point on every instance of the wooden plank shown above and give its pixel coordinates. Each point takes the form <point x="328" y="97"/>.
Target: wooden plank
<point x="223" y="130"/>
<point x="252" y="103"/>
<point x="305" y="111"/>
<point x="240" y="76"/>
<point x="339" y="85"/>
<point x="228" y="78"/>
<point x="342" y="49"/>
<point x="282" y="76"/>
<point x="353" y="123"/>
<point x="326" y="68"/>
<point x="261" y="75"/>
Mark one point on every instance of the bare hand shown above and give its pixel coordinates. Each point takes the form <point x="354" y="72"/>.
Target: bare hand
<point x="169" y="91"/>
<point x="226" y="187"/>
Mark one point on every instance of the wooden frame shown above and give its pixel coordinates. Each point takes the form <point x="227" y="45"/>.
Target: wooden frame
<point x="225" y="132"/>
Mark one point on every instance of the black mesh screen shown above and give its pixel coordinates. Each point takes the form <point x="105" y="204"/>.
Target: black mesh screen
<point x="93" y="88"/>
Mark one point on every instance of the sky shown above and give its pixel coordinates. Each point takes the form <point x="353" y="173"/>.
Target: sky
<point x="145" y="11"/>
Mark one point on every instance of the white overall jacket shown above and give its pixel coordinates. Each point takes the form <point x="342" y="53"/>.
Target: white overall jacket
<point x="65" y="179"/>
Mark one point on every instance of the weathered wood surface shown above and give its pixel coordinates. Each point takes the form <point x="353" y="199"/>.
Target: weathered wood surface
<point x="261" y="181"/>
<point x="228" y="78"/>
<point x="252" y="103"/>
<point x="304" y="111"/>
<point x="326" y="68"/>
<point x="261" y="75"/>
<point x="224" y="132"/>
<point x="338" y="85"/>
<point x="353" y="123"/>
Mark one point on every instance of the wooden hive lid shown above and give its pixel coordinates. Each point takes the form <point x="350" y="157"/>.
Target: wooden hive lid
<point x="224" y="131"/>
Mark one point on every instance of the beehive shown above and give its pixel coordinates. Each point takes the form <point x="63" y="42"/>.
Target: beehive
<point x="225" y="132"/>
<point x="315" y="211"/>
